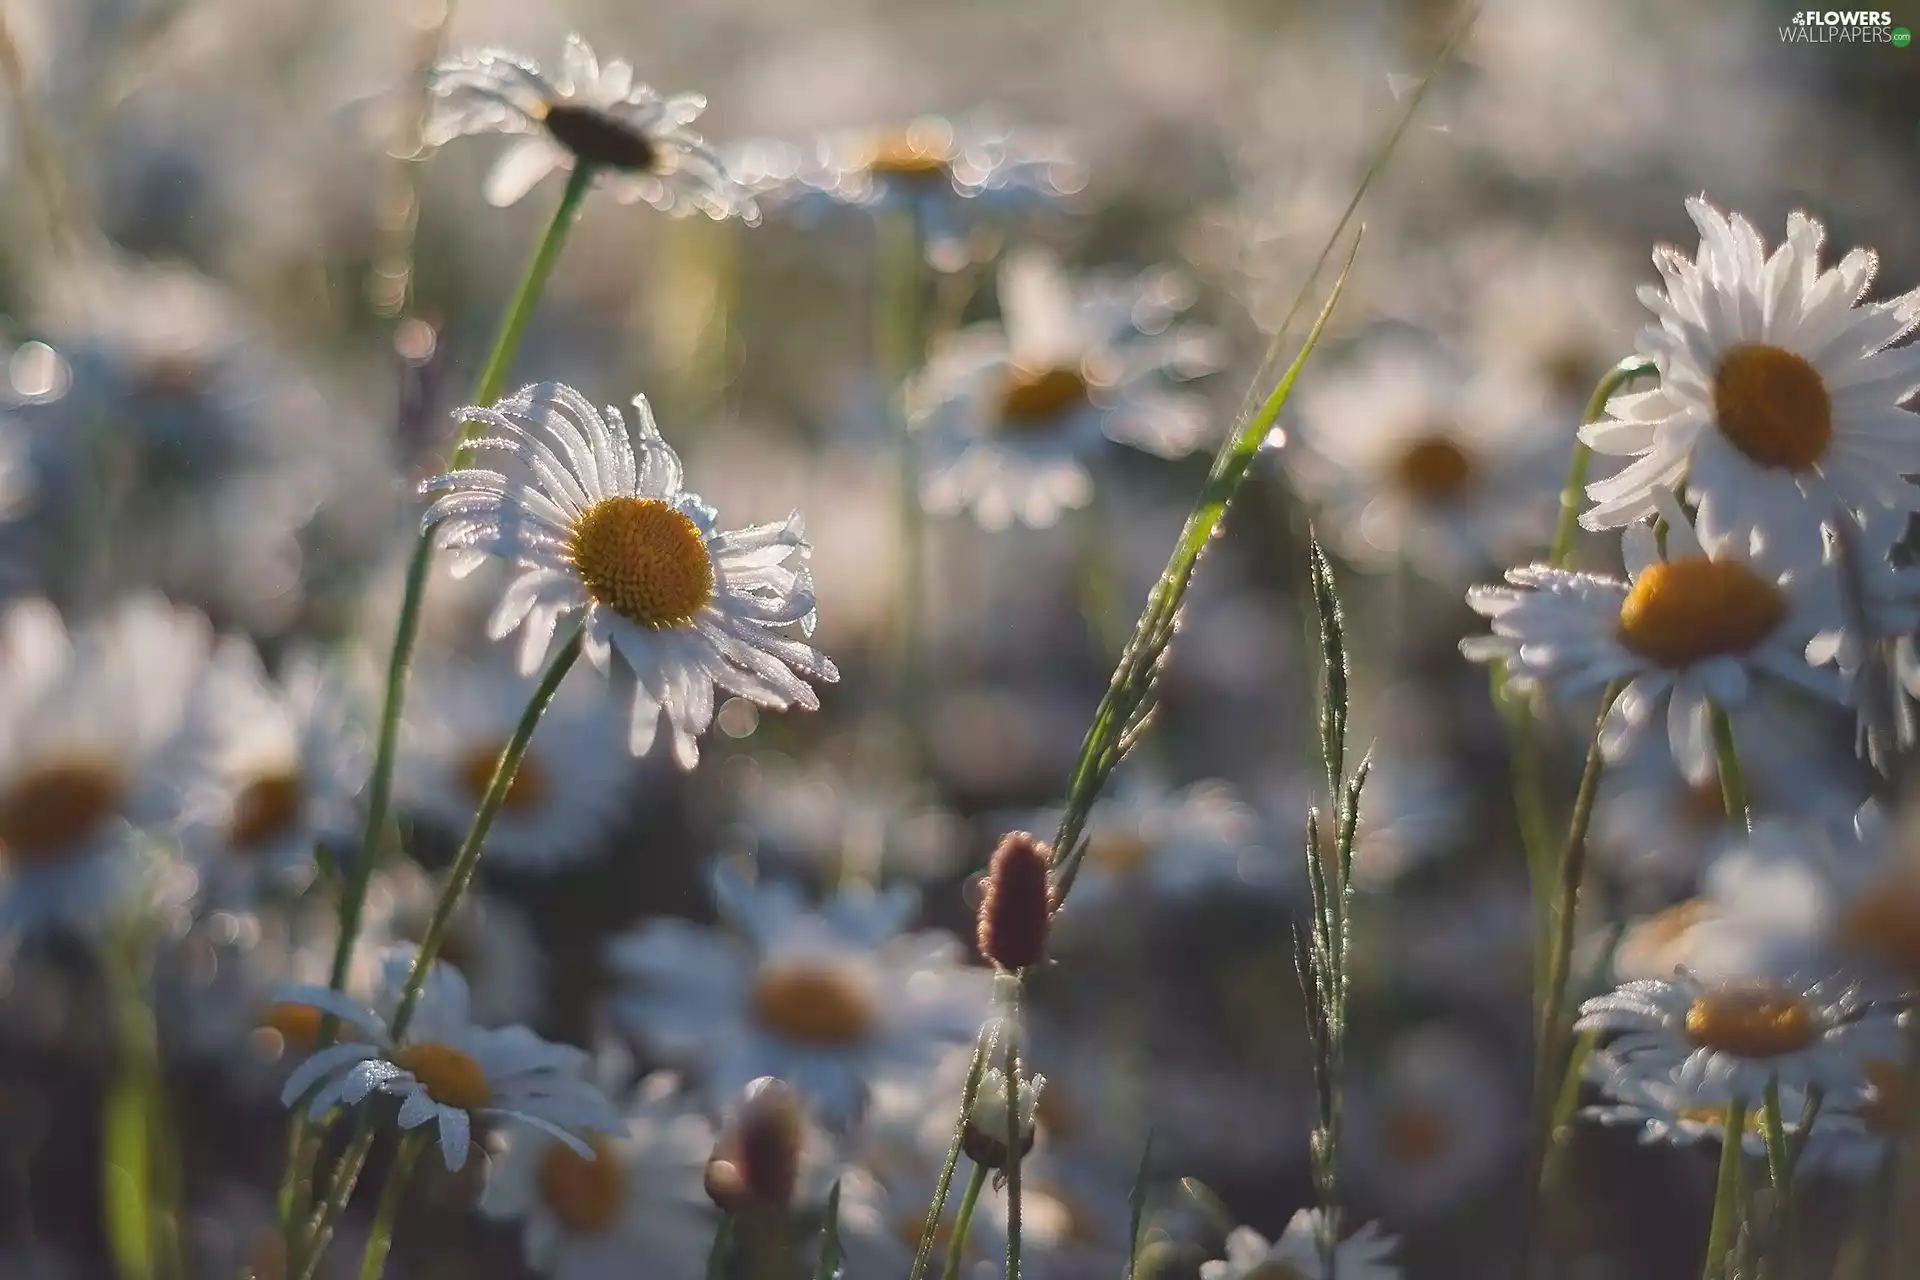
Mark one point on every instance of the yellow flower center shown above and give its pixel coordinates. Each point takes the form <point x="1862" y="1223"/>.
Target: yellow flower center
<point x="266" y="809"/>
<point x="599" y="137"/>
<point x="525" y="794"/>
<point x="906" y="154"/>
<point x="450" y="1077"/>
<point x="584" y="1194"/>
<point x="814" y="1002"/>
<point x="1884" y="1111"/>
<point x="1434" y="469"/>
<point x="1761" y="1020"/>
<point x="1684" y="610"/>
<point x="1274" y="1269"/>
<point x="1884" y="922"/>
<point x="52" y="808"/>
<point x="1121" y="852"/>
<point x="1773" y="405"/>
<point x="287" y="1027"/>
<point x="1035" y="398"/>
<point x="1415" y="1134"/>
<point x="644" y="560"/>
<point x="1716" y="1118"/>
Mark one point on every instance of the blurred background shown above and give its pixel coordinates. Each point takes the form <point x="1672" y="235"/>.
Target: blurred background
<point x="239" y="301"/>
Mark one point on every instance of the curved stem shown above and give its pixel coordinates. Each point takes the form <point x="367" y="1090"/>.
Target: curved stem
<point x="1576" y="486"/>
<point x="1014" y="1143"/>
<point x="937" y="1207"/>
<point x="1733" y="784"/>
<point x="1726" y="1191"/>
<point x="1551" y="1015"/>
<point x="963" y="1223"/>
<point x="374" y="1261"/>
<point x="1780" y="1173"/>
<point x="898" y="350"/>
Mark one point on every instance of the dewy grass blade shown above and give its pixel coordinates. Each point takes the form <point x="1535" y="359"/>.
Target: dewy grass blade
<point x="982" y="1048"/>
<point x="828" y="1267"/>
<point x="1136" y="1207"/>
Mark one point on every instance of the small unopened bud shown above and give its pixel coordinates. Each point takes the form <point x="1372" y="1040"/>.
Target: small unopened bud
<point x="757" y="1160"/>
<point x="1015" y="908"/>
<point x="987" y="1140"/>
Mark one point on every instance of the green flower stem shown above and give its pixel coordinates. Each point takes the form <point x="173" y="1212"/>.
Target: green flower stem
<point x="721" y="1249"/>
<point x="899" y="347"/>
<point x="374" y="1262"/>
<point x="303" y="1147"/>
<point x="1780" y="1173"/>
<point x="1733" y="784"/>
<point x="1726" y="1192"/>
<point x="465" y="862"/>
<point x="963" y="1223"/>
<point x="1552" y="1013"/>
<point x="1902" y="1174"/>
<point x="1012" y="1023"/>
<point x="937" y="1207"/>
<point x="140" y="1177"/>
<point x="1575" y="488"/>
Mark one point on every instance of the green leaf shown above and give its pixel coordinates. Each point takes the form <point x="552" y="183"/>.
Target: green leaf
<point x="828" y="1268"/>
<point x="1136" y="1206"/>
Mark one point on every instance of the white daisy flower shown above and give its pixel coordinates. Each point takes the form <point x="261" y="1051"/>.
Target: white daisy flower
<point x="1874" y="644"/>
<point x="1664" y="1111"/>
<point x="281" y="770"/>
<point x="1010" y="412"/>
<point x="1779" y="400"/>
<point x="447" y="1070"/>
<point x="1856" y="1131"/>
<point x="1725" y="1040"/>
<point x="1657" y="832"/>
<point x="574" y="780"/>
<point x="1433" y="1123"/>
<point x="1367" y="1254"/>
<point x="821" y="998"/>
<point x="638" y="142"/>
<point x="88" y="727"/>
<point x="1686" y="632"/>
<point x="639" y="1191"/>
<point x="1410" y="459"/>
<point x="689" y="608"/>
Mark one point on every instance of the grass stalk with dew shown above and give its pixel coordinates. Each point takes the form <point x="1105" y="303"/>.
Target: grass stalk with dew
<point x="1014" y="1144"/>
<point x="465" y="862"/>
<point x="140" y="1163"/>
<point x="1733" y="783"/>
<point x="963" y="1223"/>
<point x="1137" y="1206"/>
<point x="983" y="1045"/>
<point x="302" y="1143"/>
<point x="899" y="345"/>
<point x="373" y="1263"/>
<point x="1321" y="954"/>
<point x="828" y="1267"/>
<point x="1726" y="1193"/>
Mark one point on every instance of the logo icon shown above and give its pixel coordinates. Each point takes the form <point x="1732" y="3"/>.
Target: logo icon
<point x="1900" y="37"/>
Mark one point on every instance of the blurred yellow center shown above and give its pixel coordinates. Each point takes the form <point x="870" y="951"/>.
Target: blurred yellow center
<point x="584" y="1194"/>
<point x="1758" y="1021"/>
<point x="1434" y="469"/>
<point x="1716" y="1117"/>
<point x="1119" y="852"/>
<point x="905" y="155"/>
<point x="267" y="808"/>
<point x="644" y="560"/>
<point x="1034" y="398"/>
<point x="526" y="793"/>
<point x="1684" y="610"/>
<point x="599" y="137"/>
<point x="48" y="810"/>
<point x="1274" y="1269"/>
<point x="450" y="1077"/>
<point x="1884" y="1109"/>
<point x="814" y="1003"/>
<point x="1884" y="922"/>
<point x="1773" y="405"/>
<point x="1415" y="1135"/>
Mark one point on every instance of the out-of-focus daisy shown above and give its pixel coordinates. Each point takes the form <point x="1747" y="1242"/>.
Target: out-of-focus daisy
<point x="639" y="1192"/>
<point x="573" y="781"/>
<point x="1412" y="460"/>
<point x="235" y="1229"/>
<point x="88" y="724"/>
<point x="826" y="820"/>
<point x="1657" y="832"/>
<point x="1664" y="1111"/>
<point x="823" y="999"/>
<point x="1874" y="644"/>
<point x="1414" y="808"/>
<point x="1779" y="400"/>
<point x="1367" y="1254"/>
<point x="1010" y="412"/>
<point x="1144" y="840"/>
<point x="949" y="174"/>
<point x="1687" y="631"/>
<point x="447" y="1070"/>
<point x="1856" y="1131"/>
<point x="637" y="142"/>
<point x="490" y="940"/>
<point x="1430" y="1125"/>
<point x="282" y="765"/>
<point x="1723" y="1041"/>
<point x="689" y="608"/>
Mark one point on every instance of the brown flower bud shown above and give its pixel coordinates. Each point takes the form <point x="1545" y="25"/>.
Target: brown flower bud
<point x="757" y="1160"/>
<point x="1015" y="907"/>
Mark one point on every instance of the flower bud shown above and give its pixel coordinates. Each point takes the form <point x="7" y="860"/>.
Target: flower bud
<point x="757" y="1160"/>
<point x="987" y="1139"/>
<point x="1015" y="907"/>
